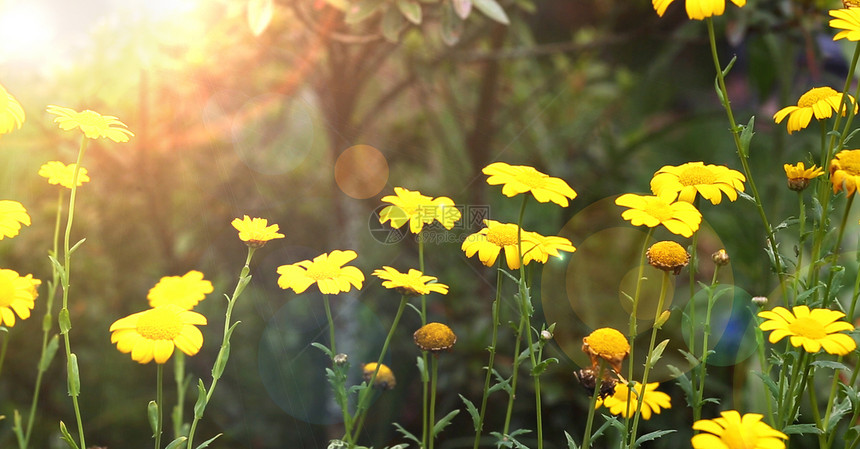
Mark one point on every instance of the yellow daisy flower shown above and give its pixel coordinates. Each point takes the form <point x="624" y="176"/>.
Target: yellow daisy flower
<point x="847" y="20"/>
<point x="522" y="178"/>
<point x="495" y="236"/>
<point x="326" y="270"/>
<point x="813" y="329"/>
<point x="679" y="217"/>
<point x="733" y="431"/>
<point x="184" y="291"/>
<point x="821" y="102"/>
<point x="709" y="181"/>
<point x="414" y="283"/>
<point x="545" y="246"/>
<point x="652" y="401"/>
<point x="668" y="256"/>
<point x="12" y="216"/>
<point x="91" y="123"/>
<point x="154" y="333"/>
<point x="384" y="377"/>
<point x="697" y="9"/>
<point x="62" y="174"/>
<point x="418" y="210"/>
<point x="434" y="337"/>
<point x="608" y="344"/>
<point x="799" y="176"/>
<point x="845" y="171"/>
<point x="255" y="232"/>
<point x="17" y="294"/>
<point x="11" y="112"/>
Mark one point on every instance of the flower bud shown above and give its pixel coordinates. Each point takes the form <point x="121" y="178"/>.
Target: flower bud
<point x="720" y="258"/>
<point x="760" y="301"/>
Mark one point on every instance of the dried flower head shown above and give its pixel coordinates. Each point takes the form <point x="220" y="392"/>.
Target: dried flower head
<point x="608" y="344"/>
<point x="668" y="256"/>
<point x="434" y="337"/>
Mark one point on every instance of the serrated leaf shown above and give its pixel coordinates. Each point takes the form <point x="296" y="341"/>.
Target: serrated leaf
<point x="493" y="10"/>
<point x="501" y="384"/>
<point x="542" y="366"/>
<point x="473" y="412"/>
<point x="652" y="436"/>
<point x="799" y="429"/>
<point x="208" y="442"/>
<point x="361" y="10"/>
<point x="443" y="423"/>
<point x="177" y="443"/>
<point x="570" y="443"/>
<point x="839" y="410"/>
<point x="411" y="10"/>
<point x="462" y="7"/>
<point x="392" y="24"/>
<point x="829" y="364"/>
<point x="406" y="434"/>
<point x="684" y="382"/>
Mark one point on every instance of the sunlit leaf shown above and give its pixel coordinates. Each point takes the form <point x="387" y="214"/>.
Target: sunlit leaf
<point x="259" y="15"/>
<point x="462" y="7"/>
<point x="392" y="24"/>
<point x="411" y="10"/>
<point x="491" y="9"/>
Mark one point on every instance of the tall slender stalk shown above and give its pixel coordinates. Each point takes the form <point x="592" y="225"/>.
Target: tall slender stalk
<point x="490" y="363"/>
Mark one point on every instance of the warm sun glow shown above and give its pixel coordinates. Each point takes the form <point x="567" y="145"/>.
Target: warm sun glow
<point x="29" y="26"/>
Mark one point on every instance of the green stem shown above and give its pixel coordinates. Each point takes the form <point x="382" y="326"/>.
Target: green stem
<point x="492" y="349"/>
<point x="159" y="401"/>
<point x="800" y="239"/>
<point x="364" y="395"/>
<point x="179" y="379"/>
<point x="826" y="299"/>
<point x="586" y="436"/>
<point x="664" y="287"/>
<point x="3" y="349"/>
<point x="635" y="309"/>
<point x="765" y="366"/>
<point x="224" y="351"/>
<point x="424" y="378"/>
<point x="434" y="363"/>
<point x="703" y="366"/>
<point x="46" y="324"/>
<point x="64" y="313"/>
<point x="744" y="157"/>
<point x="514" y="376"/>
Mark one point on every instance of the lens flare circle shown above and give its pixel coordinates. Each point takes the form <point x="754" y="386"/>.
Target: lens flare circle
<point x="361" y="171"/>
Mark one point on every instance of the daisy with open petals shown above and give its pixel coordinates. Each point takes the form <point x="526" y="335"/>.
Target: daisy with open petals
<point x="697" y="9"/>
<point x="155" y="333"/>
<point x="11" y="112"/>
<point x="494" y="238"/>
<point x="412" y="207"/>
<point x="733" y="431"/>
<point x="847" y="20"/>
<point x="518" y="179"/>
<point x="62" y="174"/>
<point x="91" y="123"/>
<point x="12" y="216"/>
<point x="623" y="401"/>
<point x="845" y="171"/>
<point x="688" y="180"/>
<point x="820" y="102"/>
<point x="679" y="217"/>
<point x="813" y="329"/>
<point x="17" y="296"/>
<point x="545" y="246"/>
<point x="326" y="270"/>
<point x="255" y="232"/>
<point x="413" y="283"/>
<point x="185" y="291"/>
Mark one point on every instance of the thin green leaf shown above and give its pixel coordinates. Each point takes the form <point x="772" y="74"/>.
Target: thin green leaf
<point x="177" y="443"/>
<point x="443" y="423"/>
<point x="799" y="429"/>
<point x="406" y="434"/>
<point x="493" y="10"/>
<point x="651" y="436"/>
<point x="411" y="10"/>
<point x="473" y="412"/>
<point x="65" y="436"/>
<point x="152" y="416"/>
<point x="209" y="441"/>
<point x="570" y="443"/>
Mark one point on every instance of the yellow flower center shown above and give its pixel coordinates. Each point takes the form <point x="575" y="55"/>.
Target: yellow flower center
<point x="434" y="337"/>
<point x="159" y="324"/>
<point x="533" y="179"/>
<point x="322" y="270"/>
<point x="607" y="342"/>
<point x="807" y="327"/>
<point x="7" y="292"/>
<point x="695" y="175"/>
<point x="668" y="253"/>
<point x="735" y="438"/>
<point x="849" y="161"/>
<point x="814" y="96"/>
<point x="502" y="235"/>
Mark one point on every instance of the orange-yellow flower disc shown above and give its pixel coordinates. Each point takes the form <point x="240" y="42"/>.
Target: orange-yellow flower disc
<point x="696" y="178"/>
